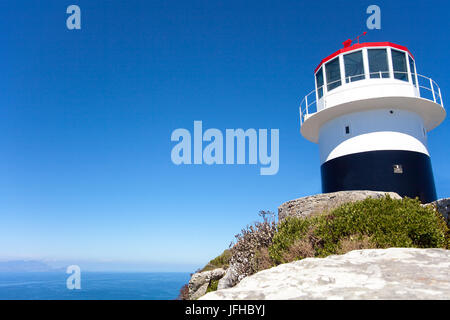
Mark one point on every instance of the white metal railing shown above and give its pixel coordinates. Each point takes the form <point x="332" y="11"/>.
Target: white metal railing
<point x="427" y="89"/>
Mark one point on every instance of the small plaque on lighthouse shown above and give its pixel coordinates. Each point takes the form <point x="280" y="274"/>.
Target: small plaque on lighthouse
<point x="398" y="168"/>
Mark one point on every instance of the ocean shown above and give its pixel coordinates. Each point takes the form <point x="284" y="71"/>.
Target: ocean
<point x="94" y="286"/>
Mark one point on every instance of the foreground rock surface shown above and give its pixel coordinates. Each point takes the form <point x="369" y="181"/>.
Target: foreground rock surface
<point x="319" y="203"/>
<point x="394" y="273"/>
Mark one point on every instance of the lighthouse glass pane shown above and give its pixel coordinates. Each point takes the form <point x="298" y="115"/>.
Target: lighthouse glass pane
<point x="319" y="83"/>
<point x="333" y="74"/>
<point x="399" y="65"/>
<point x="412" y="66"/>
<point x="354" y="67"/>
<point x="378" y="63"/>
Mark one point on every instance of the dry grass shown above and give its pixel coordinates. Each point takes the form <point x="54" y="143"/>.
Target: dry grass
<point x="261" y="260"/>
<point x="300" y="249"/>
<point x="355" y="243"/>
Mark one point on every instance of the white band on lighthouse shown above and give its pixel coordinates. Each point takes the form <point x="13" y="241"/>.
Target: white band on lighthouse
<point x="372" y="130"/>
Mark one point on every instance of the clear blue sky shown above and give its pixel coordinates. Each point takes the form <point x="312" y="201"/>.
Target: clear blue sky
<point x="86" y="117"/>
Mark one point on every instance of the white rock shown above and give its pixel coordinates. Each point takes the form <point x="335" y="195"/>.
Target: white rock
<point x="198" y="284"/>
<point x="394" y="273"/>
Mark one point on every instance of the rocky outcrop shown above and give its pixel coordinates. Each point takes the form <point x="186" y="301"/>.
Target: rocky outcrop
<point x="230" y="279"/>
<point x="306" y="206"/>
<point x="443" y="206"/>
<point x="302" y="207"/>
<point x="200" y="281"/>
<point x="395" y="273"/>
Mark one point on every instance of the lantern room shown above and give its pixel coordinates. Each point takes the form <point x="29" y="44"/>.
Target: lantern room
<point x="374" y="70"/>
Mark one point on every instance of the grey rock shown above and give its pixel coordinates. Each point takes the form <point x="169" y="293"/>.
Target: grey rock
<point x="199" y="292"/>
<point x="394" y="273"/>
<point x="323" y="202"/>
<point x="199" y="282"/>
<point x="230" y="279"/>
<point x="443" y="207"/>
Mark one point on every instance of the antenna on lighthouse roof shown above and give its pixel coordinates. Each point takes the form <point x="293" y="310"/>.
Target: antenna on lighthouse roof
<point x="348" y="43"/>
<point x="363" y="34"/>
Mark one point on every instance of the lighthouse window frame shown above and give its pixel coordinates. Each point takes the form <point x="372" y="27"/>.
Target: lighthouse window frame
<point x="399" y="65"/>
<point x="354" y="66"/>
<point x="319" y="83"/>
<point x="333" y="74"/>
<point x="378" y="63"/>
<point x="412" y="67"/>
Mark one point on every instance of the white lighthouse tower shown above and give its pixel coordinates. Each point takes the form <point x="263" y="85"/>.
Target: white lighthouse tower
<point x="370" y="114"/>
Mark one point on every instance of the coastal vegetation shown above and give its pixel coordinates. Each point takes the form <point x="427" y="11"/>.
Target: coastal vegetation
<point x="366" y="224"/>
<point x="221" y="261"/>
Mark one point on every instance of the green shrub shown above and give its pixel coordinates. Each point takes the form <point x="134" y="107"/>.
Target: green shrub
<point x="221" y="261"/>
<point x="212" y="286"/>
<point x="371" y="223"/>
<point x="288" y="232"/>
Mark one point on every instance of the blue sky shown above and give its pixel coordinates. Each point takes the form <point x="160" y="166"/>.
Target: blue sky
<point x="86" y="118"/>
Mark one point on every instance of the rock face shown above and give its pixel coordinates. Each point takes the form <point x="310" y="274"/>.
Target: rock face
<point x="318" y="203"/>
<point x="230" y="278"/>
<point x="443" y="206"/>
<point x="199" y="282"/>
<point x="395" y="273"/>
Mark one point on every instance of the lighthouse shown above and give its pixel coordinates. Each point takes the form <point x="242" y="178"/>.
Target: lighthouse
<point x="370" y="114"/>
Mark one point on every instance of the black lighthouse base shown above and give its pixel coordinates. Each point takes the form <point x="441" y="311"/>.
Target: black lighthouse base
<point x="406" y="172"/>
